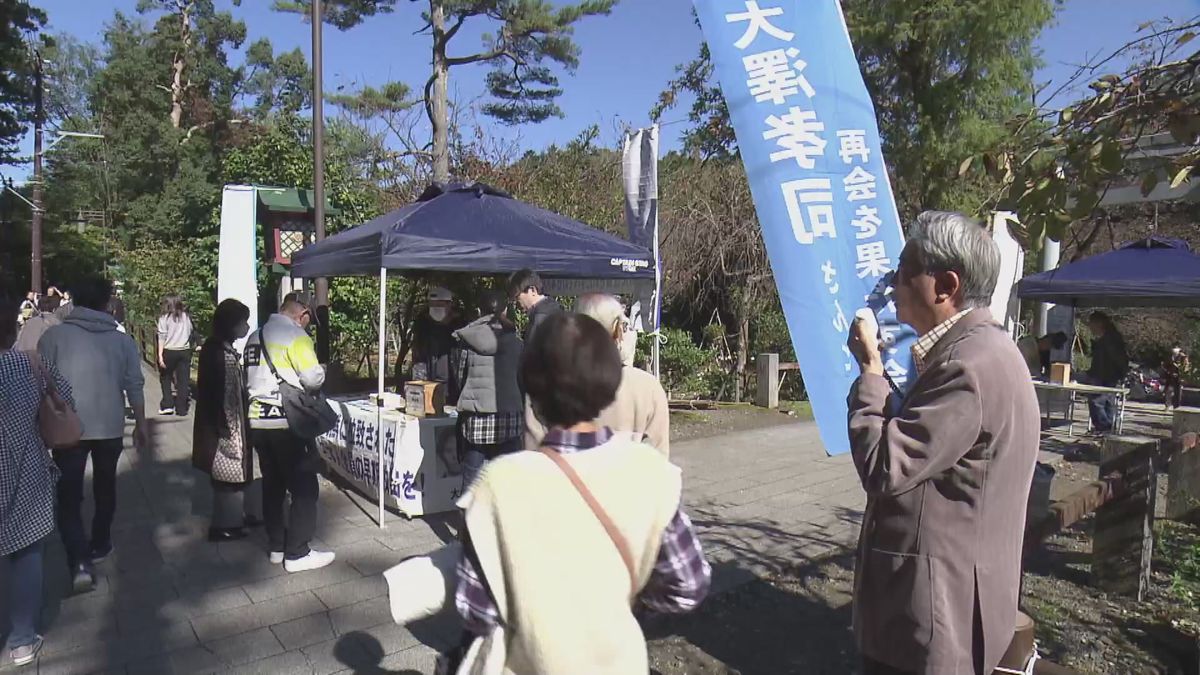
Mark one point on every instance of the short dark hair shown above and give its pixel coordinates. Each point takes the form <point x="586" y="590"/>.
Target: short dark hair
<point x="492" y="303"/>
<point x="571" y="369"/>
<point x="523" y="280"/>
<point x="1058" y="340"/>
<point x="94" y="294"/>
<point x="228" y="316"/>
<point x="48" y="303"/>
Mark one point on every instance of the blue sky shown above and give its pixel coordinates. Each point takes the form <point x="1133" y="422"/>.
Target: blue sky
<point x="627" y="57"/>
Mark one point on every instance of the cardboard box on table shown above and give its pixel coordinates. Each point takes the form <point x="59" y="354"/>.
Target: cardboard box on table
<point x="422" y="473"/>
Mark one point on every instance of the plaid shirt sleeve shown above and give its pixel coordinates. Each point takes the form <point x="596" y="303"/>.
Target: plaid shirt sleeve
<point x="681" y="576"/>
<point x="474" y="601"/>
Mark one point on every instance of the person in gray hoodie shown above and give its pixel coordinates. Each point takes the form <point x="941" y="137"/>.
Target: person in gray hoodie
<point x="490" y="404"/>
<point x="103" y="368"/>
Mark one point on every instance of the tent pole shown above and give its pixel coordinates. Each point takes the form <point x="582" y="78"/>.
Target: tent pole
<point x="379" y="400"/>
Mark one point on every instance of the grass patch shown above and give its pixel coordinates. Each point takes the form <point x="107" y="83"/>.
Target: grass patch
<point x="802" y="409"/>
<point x="687" y="417"/>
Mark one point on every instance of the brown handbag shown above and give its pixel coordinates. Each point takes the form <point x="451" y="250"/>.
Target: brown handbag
<point x="58" y="422"/>
<point x="613" y="533"/>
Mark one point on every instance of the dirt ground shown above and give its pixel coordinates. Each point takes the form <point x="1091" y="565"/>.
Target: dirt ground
<point x="799" y="621"/>
<point x="689" y="424"/>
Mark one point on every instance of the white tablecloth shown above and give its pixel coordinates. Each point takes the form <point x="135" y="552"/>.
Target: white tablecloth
<point x="420" y="456"/>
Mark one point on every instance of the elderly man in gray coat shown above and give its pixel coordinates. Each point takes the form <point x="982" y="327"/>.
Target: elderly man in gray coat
<point x="947" y="470"/>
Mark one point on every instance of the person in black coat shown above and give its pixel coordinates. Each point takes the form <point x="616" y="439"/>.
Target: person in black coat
<point x="1110" y="363"/>
<point x="525" y="287"/>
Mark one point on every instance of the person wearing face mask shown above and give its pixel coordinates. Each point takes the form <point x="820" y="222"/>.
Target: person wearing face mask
<point x="433" y="338"/>
<point x="220" y="438"/>
<point x="640" y="408"/>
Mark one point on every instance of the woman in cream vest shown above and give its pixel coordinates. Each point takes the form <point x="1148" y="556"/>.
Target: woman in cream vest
<point x="549" y="577"/>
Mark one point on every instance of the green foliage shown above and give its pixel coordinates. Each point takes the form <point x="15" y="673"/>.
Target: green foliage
<point x="1178" y="553"/>
<point x="689" y="370"/>
<point x="155" y="270"/>
<point x="945" y="76"/>
<point x="279" y="83"/>
<point x="1055" y="166"/>
<point x="530" y="36"/>
<point x="17" y="18"/>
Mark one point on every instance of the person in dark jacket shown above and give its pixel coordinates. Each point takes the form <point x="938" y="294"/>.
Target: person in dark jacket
<point x="220" y="437"/>
<point x="1110" y="363"/>
<point x="525" y="287"/>
<point x="433" y="339"/>
<point x="490" y="405"/>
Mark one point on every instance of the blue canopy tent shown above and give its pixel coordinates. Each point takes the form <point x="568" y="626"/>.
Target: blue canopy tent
<point x="474" y="228"/>
<point x="477" y="229"/>
<point x="1151" y="272"/>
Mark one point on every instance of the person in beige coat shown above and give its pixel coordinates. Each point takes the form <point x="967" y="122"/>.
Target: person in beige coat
<point x="947" y="474"/>
<point x="640" y="408"/>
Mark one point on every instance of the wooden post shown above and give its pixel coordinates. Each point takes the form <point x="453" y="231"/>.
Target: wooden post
<point x="1183" y="474"/>
<point x="1124" y="527"/>
<point x="767" y="395"/>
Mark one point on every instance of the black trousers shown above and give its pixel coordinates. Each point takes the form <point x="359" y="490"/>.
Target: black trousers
<point x="177" y="373"/>
<point x="287" y="467"/>
<point x="72" y="464"/>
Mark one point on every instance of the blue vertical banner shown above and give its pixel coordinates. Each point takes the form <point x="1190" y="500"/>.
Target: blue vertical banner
<point x="807" y="134"/>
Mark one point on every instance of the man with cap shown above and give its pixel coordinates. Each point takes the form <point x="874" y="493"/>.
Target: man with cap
<point x="433" y="337"/>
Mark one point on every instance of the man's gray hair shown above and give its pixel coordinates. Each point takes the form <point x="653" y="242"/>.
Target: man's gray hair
<point x="946" y="241"/>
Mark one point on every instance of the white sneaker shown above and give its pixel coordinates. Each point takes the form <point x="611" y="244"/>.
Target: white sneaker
<point x="315" y="560"/>
<point x="276" y="557"/>
<point x="166" y="411"/>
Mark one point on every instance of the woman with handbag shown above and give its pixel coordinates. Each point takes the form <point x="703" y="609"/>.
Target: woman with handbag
<point x="220" y="437"/>
<point x="27" y="479"/>
<point x="174" y="356"/>
<point x="572" y="535"/>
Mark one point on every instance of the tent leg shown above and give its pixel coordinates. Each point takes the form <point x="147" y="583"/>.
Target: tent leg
<point x="379" y="401"/>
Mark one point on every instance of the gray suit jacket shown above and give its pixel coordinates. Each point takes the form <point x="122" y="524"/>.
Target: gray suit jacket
<point x="947" y="480"/>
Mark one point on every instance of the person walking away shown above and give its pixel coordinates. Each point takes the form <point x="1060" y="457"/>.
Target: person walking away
<point x="1110" y="364"/>
<point x="66" y="305"/>
<point x="174" y="356"/>
<point x="568" y="537"/>
<point x="640" y="407"/>
<point x="27" y="479"/>
<point x="104" y="369"/>
<point x="525" y="288"/>
<point x="220" y="437"/>
<point x="947" y="473"/>
<point x="37" y="325"/>
<point x="28" y="308"/>
<point x="1173" y="369"/>
<point x="490" y="405"/>
<point x="288" y="463"/>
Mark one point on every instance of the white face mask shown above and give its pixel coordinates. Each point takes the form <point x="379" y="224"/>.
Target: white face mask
<point x="437" y="313"/>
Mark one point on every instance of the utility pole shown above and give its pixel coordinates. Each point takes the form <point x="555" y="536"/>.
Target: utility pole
<point x="37" y="280"/>
<point x="319" y="180"/>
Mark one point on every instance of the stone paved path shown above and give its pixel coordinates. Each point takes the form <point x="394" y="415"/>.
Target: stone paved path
<point x="170" y="602"/>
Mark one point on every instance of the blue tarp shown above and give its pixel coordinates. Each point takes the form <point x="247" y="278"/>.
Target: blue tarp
<point x="478" y="229"/>
<point x="1152" y="272"/>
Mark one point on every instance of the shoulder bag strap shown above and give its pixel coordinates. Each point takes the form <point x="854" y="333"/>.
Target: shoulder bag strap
<point x="45" y="383"/>
<point x="262" y="347"/>
<point x="613" y="533"/>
